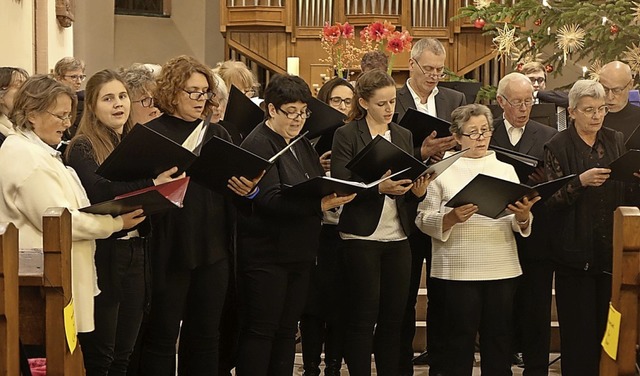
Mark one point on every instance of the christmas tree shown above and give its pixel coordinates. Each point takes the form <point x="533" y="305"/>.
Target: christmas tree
<point x="598" y="31"/>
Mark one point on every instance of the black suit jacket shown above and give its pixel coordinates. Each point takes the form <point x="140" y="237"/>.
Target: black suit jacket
<point x="361" y="216"/>
<point x="536" y="246"/>
<point x="447" y="100"/>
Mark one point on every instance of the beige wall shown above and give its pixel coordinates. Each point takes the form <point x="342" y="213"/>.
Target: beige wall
<point x="18" y="26"/>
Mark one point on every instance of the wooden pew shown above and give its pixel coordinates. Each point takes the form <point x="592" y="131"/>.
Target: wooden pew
<point x="625" y="287"/>
<point x="9" y="317"/>
<point x="43" y="298"/>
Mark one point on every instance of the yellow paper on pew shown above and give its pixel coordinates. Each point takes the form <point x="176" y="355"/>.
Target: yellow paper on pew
<point x="70" y="326"/>
<point x="612" y="334"/>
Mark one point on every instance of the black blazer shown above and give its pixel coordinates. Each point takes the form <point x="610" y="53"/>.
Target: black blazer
<point x="361" y="216"/>
<point x="447" y="100"/>
<point x="537" y="246"/>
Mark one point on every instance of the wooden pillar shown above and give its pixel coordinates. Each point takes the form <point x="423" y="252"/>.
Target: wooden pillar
<point x="624" y="291"/>
<point x="9" y="317"/>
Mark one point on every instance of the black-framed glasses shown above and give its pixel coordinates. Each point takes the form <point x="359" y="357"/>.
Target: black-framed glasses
<point x="616" y="90"/>
<point x="519" y="104"/>
<point x="437" y="72"/>
<point x="196" y="95"/>
<point x="145" y="102"/>
<point x="60" y="117"/>
<point x="537" y="80"/>
<point x="294" y="115"/>
<point x="337" y="101"/>
<point x="476" y="135"/>
<point x="590" y="111"/>
<point x="75" y="77"/>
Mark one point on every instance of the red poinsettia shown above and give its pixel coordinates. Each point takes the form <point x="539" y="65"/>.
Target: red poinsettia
<point x="397" y="42"/>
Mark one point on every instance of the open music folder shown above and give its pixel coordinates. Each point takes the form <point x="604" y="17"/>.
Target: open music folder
<point x="622" y="169"/>
<point x="324" y="119"/>
<point x="524" y="164"/>
<point x="492" y="195"/>
<point x="152" y="200"/>
<point x="421" y="125"/>
<point x="321" y="186"/>
<point x="242" y="112"/>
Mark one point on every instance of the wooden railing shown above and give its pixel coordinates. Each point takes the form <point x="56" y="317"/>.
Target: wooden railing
<point x="9" y="317"/>
<point x="624" y="291"/>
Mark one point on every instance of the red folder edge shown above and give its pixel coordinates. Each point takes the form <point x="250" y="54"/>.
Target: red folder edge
<point x="173" y="191"/>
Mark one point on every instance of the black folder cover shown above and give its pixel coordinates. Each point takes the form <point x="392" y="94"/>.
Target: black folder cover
<point x="381" y="155"/>
<point x="524" y="164"/>
<point x="324" y="119"/>
<point x="152" y="200"/>
<point x="492" y="195"/>
<point x="143" y="154"/>
<point x="321" y="186"/>
<point x="622" y="169"/>
<point x="242" y="112"/>
<point x="421" y="125"/>
<point x="633" y="142"/>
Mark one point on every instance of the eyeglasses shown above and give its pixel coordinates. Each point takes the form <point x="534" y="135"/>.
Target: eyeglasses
<point x="294" y="115"/>
<point x="75" y="77"/>
<point x="519" y="104"/>
<point x="250" y="92"/>
<point x="590" y="111"/>
<point x="537" y="80"/>
<point x="60" y="117"/>
<point x="196" y="95"/>
<point x="476" y="136"/>
<point x="431" y="71"/>
<point x="146" y="102"/>
<point x="337" y="101"/>
<point x="616" y="90"/>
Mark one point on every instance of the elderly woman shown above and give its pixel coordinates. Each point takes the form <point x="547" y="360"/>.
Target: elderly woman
<point x="42" y="112"/>
<point x="583" y="213"/>
<point x="475" y="256"/>
<point x="10" y="81"/>
<point x="190" y="246"/>
<point x="141" y="83"/>
<point x="277" y="242"/>
<point x="236" y="73"/>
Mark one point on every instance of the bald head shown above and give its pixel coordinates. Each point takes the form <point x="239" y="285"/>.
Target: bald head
<point x="616" y="79"/>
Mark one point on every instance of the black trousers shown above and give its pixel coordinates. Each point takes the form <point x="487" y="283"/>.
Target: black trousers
<point x="484" y="307"/>
<point x="532" y="315"/>
<point x="321" y="322"/>
<point x="272" y="297"/>
<point x="377" y="275"/>
<point x="583" y="304"/>
<point x="421" y="255"/>
<point x="196" y="297"/>
<point x="117" y="311"/>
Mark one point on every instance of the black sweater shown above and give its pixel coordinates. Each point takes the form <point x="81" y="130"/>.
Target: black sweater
<point x="281" y="229"/>
<point x="625" y="120"/>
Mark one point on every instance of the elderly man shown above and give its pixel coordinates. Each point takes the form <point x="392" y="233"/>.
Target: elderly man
<point x="616" y="80"/>
<point x="421" y="92"/>
<point x="533" y="298"/>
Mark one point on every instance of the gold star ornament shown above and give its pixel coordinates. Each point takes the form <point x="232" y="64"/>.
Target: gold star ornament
<point x="505" y="42"/>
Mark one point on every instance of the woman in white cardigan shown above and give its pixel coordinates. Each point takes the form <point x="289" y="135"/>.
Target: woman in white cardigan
<point x="34" y="179"/>
<point x="474" y="255"/>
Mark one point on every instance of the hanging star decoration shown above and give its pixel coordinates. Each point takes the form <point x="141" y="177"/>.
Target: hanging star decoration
<point x="636" y="13"/>
<point x="594" y="70"/>
<point x="632" y="57"/>
<point x="505" y="42"/>
<point x="570" y="38"/>
<point x="482" y="4"/>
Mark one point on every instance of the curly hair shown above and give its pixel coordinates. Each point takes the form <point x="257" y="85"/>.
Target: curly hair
<point x="366" y="86"/>
<point x="102" y="138"/>
<point x="139" y="79"/>
<point x="37" y="95"/>
<point x="170" y="84"/>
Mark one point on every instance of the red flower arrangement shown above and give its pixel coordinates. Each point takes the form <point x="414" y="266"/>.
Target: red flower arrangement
<point x="384" y="37"/>
<point x="338" y="41"/>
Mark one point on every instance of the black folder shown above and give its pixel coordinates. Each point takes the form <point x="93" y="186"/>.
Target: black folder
<point x="379" y="156"/>
<point x="633" y="142"/>
<point x="143" y="154"/>
<point x="242" y="112"/>
<point x="152" y="200"/>
<point x="439" y="167"/>
<point x="324" y="119"/>
<point x="524" y="164"/>
<point x="622" y="169"/>
<point x="492" y="195"/>
<point x="421" y="125"/>
<point x="321" y="186"/>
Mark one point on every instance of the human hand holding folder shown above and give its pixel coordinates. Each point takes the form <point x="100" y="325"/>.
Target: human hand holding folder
<point x="132" y="219"/>
<point x="333" y="201"/>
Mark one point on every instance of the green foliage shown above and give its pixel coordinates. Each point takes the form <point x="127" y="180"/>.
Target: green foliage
<point x="599" y="42"/>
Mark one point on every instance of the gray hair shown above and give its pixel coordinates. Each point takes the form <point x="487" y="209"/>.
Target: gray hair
<point x="508" y="79"/>
<point x="462" y="114"/>
<point x="427" y="44"/>
<point x="67" y="64"/>
<point x="221" y="91"/>
<point x="139" y="79"/>
<point x="585" y="88"/>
